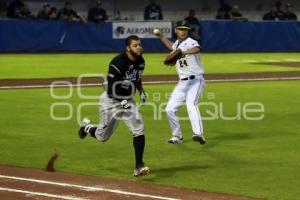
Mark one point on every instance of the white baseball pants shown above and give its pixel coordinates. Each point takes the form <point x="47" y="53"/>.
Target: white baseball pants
<point x="189" y="92"/>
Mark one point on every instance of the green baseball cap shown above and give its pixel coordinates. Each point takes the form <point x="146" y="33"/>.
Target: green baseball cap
<point x="182" y="25"/>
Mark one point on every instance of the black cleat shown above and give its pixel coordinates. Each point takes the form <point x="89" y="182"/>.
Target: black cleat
<point x="82" y="134"/>
<point x="199" y="138"/>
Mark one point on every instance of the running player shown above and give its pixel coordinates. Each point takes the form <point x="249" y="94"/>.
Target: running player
<point x="124" y="77"/>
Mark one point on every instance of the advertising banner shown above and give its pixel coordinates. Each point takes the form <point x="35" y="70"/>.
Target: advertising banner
<point x="122" y="30"/>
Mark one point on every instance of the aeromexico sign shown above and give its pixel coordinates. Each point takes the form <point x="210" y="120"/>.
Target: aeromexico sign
<point x="143" y="29"/>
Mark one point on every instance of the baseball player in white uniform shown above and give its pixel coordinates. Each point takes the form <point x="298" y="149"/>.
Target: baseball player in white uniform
<point x="190" y="85"/>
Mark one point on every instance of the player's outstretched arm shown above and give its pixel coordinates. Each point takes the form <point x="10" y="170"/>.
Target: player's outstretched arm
<point x="168" y="43"/>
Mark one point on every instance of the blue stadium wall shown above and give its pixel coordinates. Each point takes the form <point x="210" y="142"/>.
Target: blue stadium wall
<point x="216" y="36"/>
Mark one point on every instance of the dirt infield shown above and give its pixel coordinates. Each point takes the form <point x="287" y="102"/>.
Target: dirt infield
<point x="148" y="79"/>
<point x="24" y="183"/>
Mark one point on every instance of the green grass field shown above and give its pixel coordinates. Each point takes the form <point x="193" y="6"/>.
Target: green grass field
<point x="252" y="158"/>
<point x="14" y="66"/>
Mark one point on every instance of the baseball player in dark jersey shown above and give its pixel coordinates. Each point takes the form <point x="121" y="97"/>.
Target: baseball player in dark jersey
<point x="117" y="103"/>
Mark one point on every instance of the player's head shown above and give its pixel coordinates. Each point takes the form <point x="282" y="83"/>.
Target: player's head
<point x="134" y="46"/>
<point x="68" y="5"/>
<point x="192" y="13"/>
<point x="288" y="7"/>
<point x="182" y="30"/>
<point x="98" y="3"/>
<point x="46" y="7"/>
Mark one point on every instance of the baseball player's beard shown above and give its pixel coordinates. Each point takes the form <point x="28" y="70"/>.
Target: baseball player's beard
<point x="134" y="54"/>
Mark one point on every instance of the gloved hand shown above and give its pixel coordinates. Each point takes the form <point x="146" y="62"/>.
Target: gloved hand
<point x="143" y="96"/>
<point x="125" y="104"/>
<point x="172" y="57"/>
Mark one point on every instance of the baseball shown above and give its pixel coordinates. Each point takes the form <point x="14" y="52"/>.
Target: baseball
<point x="156" y="31"/>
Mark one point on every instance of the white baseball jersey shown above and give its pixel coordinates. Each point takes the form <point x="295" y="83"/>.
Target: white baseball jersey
<point x="190" y="64"/>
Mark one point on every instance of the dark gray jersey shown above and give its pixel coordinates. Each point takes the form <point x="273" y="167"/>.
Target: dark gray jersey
<point x="124" y="77"/>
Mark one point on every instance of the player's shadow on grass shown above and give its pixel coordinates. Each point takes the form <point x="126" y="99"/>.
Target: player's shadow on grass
<point x="233" y="136"/>
<point x="164" y="172"/>
<point x="225" y="137"/>
<point x="212" y="141"/>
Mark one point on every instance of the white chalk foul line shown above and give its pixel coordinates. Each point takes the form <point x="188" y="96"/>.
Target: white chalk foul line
<point x="40" y="194"/>
<point x="151" y="82"/>
<point x="48" y="86"/>
<point x="245" y="61"/>
<point x="75" y="85"/>
<point x="291" y="60"/>
<point x="254" y="79"/>
<point x="86" y="188"/>
<point x="271" y="60"/>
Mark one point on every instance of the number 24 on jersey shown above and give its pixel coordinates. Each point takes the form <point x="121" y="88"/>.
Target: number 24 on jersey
<point x="183" y="63"/>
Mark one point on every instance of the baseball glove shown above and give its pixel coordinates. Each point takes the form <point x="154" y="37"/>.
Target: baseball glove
<point x="173" y="57"/>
